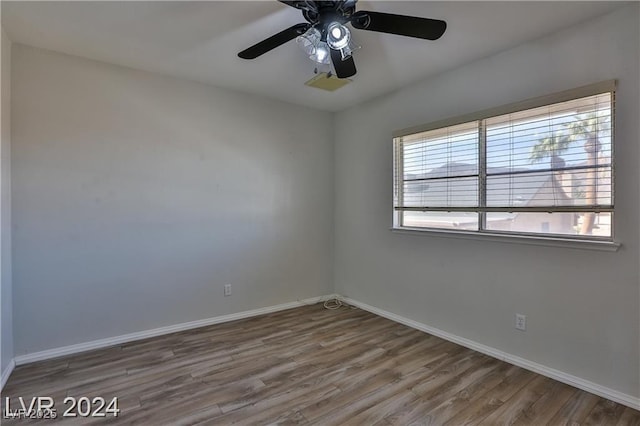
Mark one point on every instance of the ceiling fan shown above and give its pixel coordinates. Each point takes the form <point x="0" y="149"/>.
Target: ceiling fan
<point x="325" y="38"/>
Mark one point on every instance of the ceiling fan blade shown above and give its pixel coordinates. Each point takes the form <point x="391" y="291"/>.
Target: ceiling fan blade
<point x="304" y="5"/>
<point x="274" y="41"/>
<point x="293" y="3"/>
<point x="409" y="26"/>
<point x="344" y="69"/>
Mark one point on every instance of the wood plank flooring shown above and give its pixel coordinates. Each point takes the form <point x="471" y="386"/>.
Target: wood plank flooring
<point x="308" y="365"/>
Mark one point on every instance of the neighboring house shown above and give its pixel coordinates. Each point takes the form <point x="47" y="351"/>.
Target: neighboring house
<point x="561" y="188"/>
<point x="551" y="188"/>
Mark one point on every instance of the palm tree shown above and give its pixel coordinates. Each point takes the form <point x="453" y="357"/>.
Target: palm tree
<point x="585" y="128"/>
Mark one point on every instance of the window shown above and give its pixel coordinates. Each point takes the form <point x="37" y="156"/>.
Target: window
<point x="540" y="167"/>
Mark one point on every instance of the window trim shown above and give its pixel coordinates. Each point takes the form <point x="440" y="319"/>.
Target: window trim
<point x="518" y="238"/>
<point x="584" y="241"/>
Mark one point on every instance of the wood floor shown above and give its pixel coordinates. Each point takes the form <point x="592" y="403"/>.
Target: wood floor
<point x="308" y="366"/>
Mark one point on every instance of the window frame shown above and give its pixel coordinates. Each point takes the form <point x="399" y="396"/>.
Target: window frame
<point x="606" y="242"/>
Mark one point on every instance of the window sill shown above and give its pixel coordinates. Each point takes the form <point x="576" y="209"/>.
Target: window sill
<point x="517" y="239"/>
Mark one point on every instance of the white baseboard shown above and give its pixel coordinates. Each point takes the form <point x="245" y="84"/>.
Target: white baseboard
<point x="613" y="395"/>
<point x="117" y="340"/>
<point x="560" y="376"/>
<point x="6" y="373"/>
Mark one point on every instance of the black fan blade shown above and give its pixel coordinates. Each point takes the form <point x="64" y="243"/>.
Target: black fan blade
<point x="293" y="3"/>
<point x="344" y="69"/>
<point x="300" y="4"/>
<point x="274" y="41"/>
<point x="410" y="26"/>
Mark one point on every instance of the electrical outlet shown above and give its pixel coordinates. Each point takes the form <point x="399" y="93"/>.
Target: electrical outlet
<point x="521" y="322"/>
<point x="227" y="289"/>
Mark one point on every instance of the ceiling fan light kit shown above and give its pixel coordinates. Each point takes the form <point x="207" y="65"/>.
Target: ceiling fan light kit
<point x="326" y="39"/>
<point x="338" y="36"/>
<point x="311" y="43"/>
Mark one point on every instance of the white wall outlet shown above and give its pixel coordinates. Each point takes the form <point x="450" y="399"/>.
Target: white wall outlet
<point x="521" y="322"/>
<point x="227" y="289"/>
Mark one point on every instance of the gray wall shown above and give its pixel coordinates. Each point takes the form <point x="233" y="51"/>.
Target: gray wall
<point x="582" y="306"/>
<point x="136" y="197"/>
<point x="6" y="314"/>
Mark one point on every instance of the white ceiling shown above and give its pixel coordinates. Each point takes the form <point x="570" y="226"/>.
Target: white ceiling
<point x="200" y="40"/>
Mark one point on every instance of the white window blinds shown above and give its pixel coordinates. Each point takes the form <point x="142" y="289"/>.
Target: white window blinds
<point x="541" y="170"/>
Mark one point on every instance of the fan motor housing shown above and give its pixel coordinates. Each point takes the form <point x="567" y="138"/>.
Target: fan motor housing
<point x="325" y="12"/>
